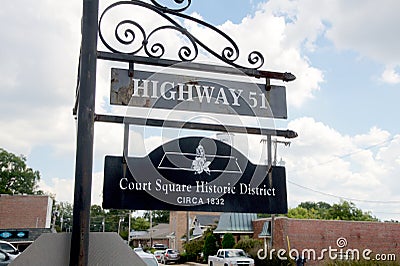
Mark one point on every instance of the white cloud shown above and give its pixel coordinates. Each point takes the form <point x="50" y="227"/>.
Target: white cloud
<point x="63" y="189"/>
<point x="361" y="167"/>
<point x="266" y="33"/>
<point x="39" y="54"/>
<point x="390" y="76"/>
<point x="367" y="27"/>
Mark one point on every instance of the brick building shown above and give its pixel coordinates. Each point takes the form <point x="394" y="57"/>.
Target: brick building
<point x="26" y="213"/>
<point x="179" y="221"/>
<point x="300" y="234"/>
<point x="159" y="234"/>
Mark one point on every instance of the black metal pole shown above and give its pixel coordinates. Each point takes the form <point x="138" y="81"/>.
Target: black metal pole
<point x="84" y="148"/>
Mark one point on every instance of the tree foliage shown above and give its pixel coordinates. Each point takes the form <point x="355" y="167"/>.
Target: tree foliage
<point x="249" y="244"/>
<point x="348" y="211"/>
<point x="343" y="210"/>
<point x="113" y="218"/>
<point x="193" y="249"/>
<point x="228" y="241"/>
<point x="62" y="213"/>
<point x="210" y="246"/>
<point x="15" y="176"/>
<point x="140" y="224"/>
<point x="158" y="216"/>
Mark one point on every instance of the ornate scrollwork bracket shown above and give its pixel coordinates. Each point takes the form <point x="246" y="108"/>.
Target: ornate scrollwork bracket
<point x="132" y="35"/>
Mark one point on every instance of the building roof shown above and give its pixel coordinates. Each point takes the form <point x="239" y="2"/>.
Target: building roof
<point x="235" y="223"/>
<point x="160" y="231"/>
<point x="207" y="220"/>
<point x="54" y="249"/>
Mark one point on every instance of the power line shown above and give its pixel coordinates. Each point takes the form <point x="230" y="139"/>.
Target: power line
<point x="346" y="198"/>
<point x="341" y="157"/>
<point x="354" y="152"/>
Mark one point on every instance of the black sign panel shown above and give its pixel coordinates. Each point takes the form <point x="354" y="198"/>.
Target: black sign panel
<point x="193" y="174"/>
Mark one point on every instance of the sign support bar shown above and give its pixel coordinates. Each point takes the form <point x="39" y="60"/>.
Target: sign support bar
<point x="284" y="76"/>
<point x="197" y="126"/>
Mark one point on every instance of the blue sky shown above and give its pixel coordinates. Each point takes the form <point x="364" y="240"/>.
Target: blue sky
<point x="343" y="104"/>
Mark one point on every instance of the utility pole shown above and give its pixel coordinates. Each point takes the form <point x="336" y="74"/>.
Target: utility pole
<point x="55" y="214"/>
<point x="151" y="228"/>
<point x="268" y="141"/>
<point x="62" y="221"/>
<point x="187" y="227"/>
<point x="129" y="227"/>
<point x="275" y="141"/>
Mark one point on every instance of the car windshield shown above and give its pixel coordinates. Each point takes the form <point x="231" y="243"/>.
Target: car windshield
<point x="235" y="253"/>
<point x="7" y="248"/>
<point x="150" y="261"/>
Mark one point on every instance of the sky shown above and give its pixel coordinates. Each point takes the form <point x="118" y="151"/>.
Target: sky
<point x="343" y="103"/>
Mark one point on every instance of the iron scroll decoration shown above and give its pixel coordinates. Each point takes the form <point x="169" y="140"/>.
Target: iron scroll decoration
<point x="229" y="54"/>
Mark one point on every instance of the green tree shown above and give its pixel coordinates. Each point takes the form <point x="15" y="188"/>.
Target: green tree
<point x="321" y="210"/>
<point x="303" y="213"/>
<point x="193" y="249"/>
<point x="210" y="246"/>
<point x="228" y="241"/>
<point x="96" y="211"/>
<point x="62" y="215"/>
<point x="113" y="218"/>
<point x="140" y="224"/>
<point x="317" y="210"/>
<point x="348" y="211"/>
<point x="97" y="217"/>
<point x="249" y="244"/>
<point x="15" y="176"/>
<point x="158" y="216"/>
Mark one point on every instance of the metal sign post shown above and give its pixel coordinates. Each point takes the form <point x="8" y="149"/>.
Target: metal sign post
<point x="84" y="147"/>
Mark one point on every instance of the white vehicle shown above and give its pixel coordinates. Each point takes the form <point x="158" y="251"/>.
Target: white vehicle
<point x="228" y="257"/>
<point x="159" y="254"/>
<point x="148" y="258"/>
<point x="12" y="251"/>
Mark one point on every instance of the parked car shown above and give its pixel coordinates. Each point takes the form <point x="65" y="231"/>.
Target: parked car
<point x="170" y="255"/>
<point x="148" y="258"/>
<point x="230" y="257"/>
<point x="139" y="249"/>
<point x="5" y="258"/>
<point x="159" y="254"/>
<point x="159" y="246"/>
<point x="12" y="251"/>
